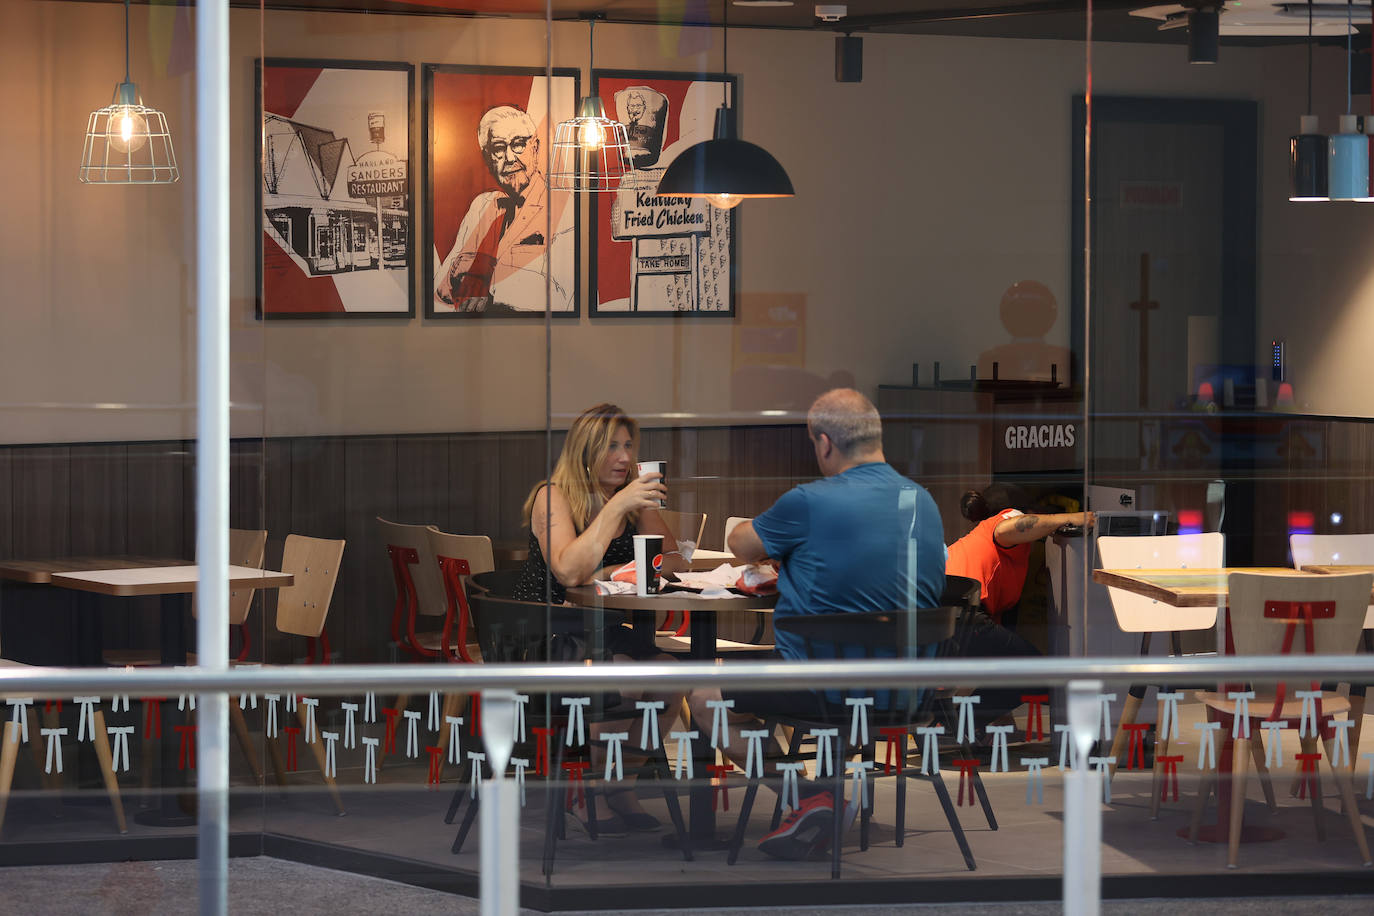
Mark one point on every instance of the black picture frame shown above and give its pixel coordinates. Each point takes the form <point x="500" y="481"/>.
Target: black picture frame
<point x="599" y="223"/>
<point x="264" y="308"/>
<point x="428" y="132"/>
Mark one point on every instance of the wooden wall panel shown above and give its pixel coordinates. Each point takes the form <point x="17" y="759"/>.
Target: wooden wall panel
<point x="246" y="484"/>
<point x="422" y="482"/>
<point x="100" y="509"/>
<point x="521" y="464"/>
<point x="365" y="590"/>
<point x="41" y="527"/>
<point x="474" y="470"/>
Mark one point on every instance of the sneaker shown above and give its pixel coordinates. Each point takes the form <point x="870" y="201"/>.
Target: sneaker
<point x="803" y="832"/>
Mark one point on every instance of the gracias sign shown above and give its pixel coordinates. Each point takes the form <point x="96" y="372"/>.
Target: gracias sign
<point x="1021" y="444"/>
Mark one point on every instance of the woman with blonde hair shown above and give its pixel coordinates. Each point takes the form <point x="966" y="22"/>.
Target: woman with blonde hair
<point x="583" y="519"/>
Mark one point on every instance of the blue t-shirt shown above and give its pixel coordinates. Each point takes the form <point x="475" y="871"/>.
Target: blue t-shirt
<point x="867" y="539"/>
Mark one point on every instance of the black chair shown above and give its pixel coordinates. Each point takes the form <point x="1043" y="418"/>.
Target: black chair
<point x="527" y="631"/>
<point x="883" y="634"/>
<point x="499" y="584"/>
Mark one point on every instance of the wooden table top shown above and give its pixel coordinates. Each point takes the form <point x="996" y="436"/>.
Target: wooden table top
<point x="163" y="580"/>
<point x="40" y="572"/>
<point x="1338" y="569"/>
<point x="1189" y="587"/>
<point x="586" y="596"/>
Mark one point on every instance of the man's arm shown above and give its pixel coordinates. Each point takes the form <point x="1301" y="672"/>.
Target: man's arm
<point x="745" y="543"/>
<point x="1022" y="529"/>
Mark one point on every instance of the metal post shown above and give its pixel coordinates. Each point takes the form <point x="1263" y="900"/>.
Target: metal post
<point x="500" y="860"/>
<point x="1083" y="808"/>
<point x="212" y="439"/>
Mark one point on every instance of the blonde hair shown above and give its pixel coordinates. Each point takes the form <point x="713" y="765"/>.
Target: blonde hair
<point x="588" y="441"/>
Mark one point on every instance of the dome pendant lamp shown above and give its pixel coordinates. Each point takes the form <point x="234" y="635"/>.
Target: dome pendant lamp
<point x="126" y="142"/>
<point x="591" y="152"/>
<point x="725" y="170"/>
<point x="1348" y="169"/>
<point x="1307" y="151"/>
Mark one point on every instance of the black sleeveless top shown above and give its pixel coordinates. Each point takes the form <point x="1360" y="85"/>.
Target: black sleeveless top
<point x="530" y="586"/>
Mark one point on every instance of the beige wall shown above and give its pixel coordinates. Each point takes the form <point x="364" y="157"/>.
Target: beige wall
<point x="922" y="194"/>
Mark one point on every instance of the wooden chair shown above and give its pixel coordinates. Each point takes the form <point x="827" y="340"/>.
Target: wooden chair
<point x="302" y="608"/>
<point x="9" y="753"/>
<point x="730" y="524"/>
<point x="1341" y="550"/>
<point x="687" y="528"/>
<point x="1283" y="615"/>
<point x="1146" y="616"/>
<point x="246" y="548"/>
<point x="419" y="587"/>
<point x="880" y="634"/>
<point x="459" y="557"/>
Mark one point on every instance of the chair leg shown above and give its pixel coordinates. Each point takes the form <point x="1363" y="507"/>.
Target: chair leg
<point x="553" y="830"/>
<point x="1262" y="771"/>
<point x="658" y="765"/>
<point x="901" y="792"/>
<point x="1344" y="781"/>
<point x="1308" y="746"/>
<point x="1161" y="750"/>
<point x="468" y="817"/>
<point x="455" y="802"/>
<point x="1357" y="714"/>
<point x="982" y="794"/>
<point x="245" y="741"/>
<point x="746" y="806"/>
<point x="1129" y="713"/>
<point x="837" y="796"/>
<point x="317" y="748"/>
<point x="9" y="752"/>
<point x="1206" y="783"/>
<point x="952" y="818"/>
<point x="1316" y="802"/>
<point x="453" y="704"/>
<point x="1240" y="759"/>
<point x="101" y="739"/>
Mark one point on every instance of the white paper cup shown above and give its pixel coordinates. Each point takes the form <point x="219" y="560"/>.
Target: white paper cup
<point x="655" y="467"/>
<point x="648" y="558"/>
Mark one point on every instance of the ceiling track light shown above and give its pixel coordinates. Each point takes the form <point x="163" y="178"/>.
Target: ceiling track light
<point x="725" y="169"/>
<point x="126" y="141"/>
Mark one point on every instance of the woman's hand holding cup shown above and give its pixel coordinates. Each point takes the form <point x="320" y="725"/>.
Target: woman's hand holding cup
<point x="647" y="491"/>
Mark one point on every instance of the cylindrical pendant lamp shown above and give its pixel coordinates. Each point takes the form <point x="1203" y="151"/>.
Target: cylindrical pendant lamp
<point x="1307" y="161"/>
<point x="1348" y="167"/>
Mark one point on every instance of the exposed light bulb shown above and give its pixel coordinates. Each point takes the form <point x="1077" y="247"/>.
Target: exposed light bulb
<point x="724" y="201"/>
<point x="127" y="131"/>
<point x="593" y="136"/>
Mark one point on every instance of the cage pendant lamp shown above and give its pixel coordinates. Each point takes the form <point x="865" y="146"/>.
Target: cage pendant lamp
<point x="591" y="152"/>
<point x="126" y="141"/>
<point x="725" y="169"/>
<point x="1307" y="150"/>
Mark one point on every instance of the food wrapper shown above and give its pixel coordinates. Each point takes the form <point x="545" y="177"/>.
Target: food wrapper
<point x="758" y="579"/>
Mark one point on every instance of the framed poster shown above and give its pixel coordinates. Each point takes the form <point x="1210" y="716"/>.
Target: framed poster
<point x="334" y="191"/>
<point x="655" y="256"/>
<point x="494" y="230"/>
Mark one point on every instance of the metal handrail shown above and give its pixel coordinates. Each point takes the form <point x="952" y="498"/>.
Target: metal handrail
<point x="744" y="675"/>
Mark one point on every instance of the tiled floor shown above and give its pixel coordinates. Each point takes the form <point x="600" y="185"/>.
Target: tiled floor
<point x="403" y="820"/>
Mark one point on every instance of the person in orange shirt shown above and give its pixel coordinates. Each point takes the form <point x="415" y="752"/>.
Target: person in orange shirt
<point x="996" y="551"/>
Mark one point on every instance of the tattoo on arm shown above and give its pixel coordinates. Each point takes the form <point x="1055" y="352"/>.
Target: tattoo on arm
<point x="1027" y="522"/>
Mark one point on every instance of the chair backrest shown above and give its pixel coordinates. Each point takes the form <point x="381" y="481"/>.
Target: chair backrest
<point x="246" y="548"/>
<point x="1139" y="614"/>
<point x="687" y="528"/>
<point x="458" y="556"/>
<point x="730" y="525"/>
<point x="303" y="605"/>
<point x="1332" y="549"/>
<point x="961" y="591"/>
<point x="1260" y="604"/>
<point x="916" y="633"/>
<point x="410" y="544"/>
